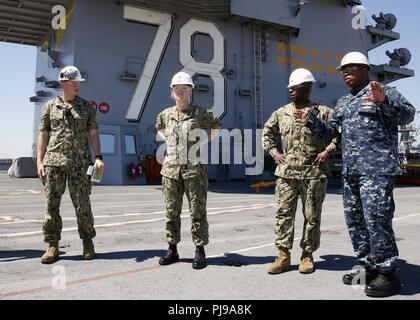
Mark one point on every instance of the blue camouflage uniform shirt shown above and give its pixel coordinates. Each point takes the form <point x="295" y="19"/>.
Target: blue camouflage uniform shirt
<point x="369" y="131"/>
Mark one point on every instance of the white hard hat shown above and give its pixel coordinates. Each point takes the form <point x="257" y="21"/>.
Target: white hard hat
<point x="70" y="73"/>
<point x="299" y="76"/>
<point x="182" y="78"/>
<point x="354" y="58"/>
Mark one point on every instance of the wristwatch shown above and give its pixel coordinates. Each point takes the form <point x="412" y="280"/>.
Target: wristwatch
<point x="99" y="156"/>
<point x="315" y="111"/>
<point x="329" y="149"/>
<point x="312" y="115"/>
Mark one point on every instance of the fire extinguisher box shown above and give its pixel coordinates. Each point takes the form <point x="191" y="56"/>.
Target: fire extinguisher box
<point x="134" y="174"/>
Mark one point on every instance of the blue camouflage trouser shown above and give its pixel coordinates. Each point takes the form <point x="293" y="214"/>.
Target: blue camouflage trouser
<point x="369" y="209"/>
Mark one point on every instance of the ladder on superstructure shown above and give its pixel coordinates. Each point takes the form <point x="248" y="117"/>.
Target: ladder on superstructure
<point x="258" y="103"/>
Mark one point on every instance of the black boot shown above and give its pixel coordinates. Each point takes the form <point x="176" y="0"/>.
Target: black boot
<point x="199" y="261"/>
<point x="383" y="286"/>
<point x="361" y="275"/>
<point x="171" y="256"/>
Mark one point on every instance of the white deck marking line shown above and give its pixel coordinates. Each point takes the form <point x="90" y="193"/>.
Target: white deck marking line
<point x="118" y="224"/>
<point x="34" y="191"/>
<point x="248" y="249"/>
<point x="295" y="239"/>
<point x="8" y="219"/>
<point x="124" y="204"/>
<point x="412" y="215"/>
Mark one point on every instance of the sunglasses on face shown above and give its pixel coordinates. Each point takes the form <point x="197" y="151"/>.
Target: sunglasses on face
<point x="299" y="86"/>
<point x="350" y="70"/>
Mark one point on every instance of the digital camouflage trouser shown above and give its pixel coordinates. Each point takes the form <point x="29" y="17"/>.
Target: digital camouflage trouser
<point x="79" y="188"/>
<point x="312" y="193"/>
<point x="369" y="209"/>
<point x="196" y="192"/>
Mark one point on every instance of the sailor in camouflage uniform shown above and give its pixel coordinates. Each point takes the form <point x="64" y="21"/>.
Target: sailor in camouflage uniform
<point x="63" y="155"/>
<point x="368" y="118"/>
<point x="183" y="172"/>
<point x="301" y="170"/>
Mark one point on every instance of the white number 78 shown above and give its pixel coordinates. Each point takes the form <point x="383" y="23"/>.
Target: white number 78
<point x="213" y="69"/>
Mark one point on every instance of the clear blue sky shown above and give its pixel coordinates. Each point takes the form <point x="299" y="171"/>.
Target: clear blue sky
<point x="17" y="80"/>
<point x="17" y="84"/>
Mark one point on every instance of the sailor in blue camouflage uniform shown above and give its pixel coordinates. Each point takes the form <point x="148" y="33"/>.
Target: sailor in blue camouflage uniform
<point x="368" y="119"/>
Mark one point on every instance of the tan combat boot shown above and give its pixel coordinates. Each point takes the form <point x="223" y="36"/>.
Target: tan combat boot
<point x="306" y="264"/>
<point x="88" y="249"/>
<point x="51" y="255"/>
<point x="282" y="262"/>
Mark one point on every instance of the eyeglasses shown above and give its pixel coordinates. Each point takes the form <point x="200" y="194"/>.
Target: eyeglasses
<point x="300" y="86"/>
<point x="182" y="89"/>
<point x="350" y="70"/>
